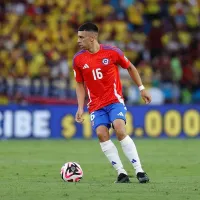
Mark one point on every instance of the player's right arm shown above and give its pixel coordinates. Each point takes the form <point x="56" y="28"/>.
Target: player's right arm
<point x="80" y="92"/>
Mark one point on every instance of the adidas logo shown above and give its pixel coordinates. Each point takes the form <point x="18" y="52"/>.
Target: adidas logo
<point x="133" y="161"/>
<point x="114" y="163"/>
<point x="85" y="66"/>
<point x="120" y="114"/>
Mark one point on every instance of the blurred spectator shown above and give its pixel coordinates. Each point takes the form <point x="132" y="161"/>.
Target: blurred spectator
<point x="155" y="39"/>
<point x="176" y="68"/>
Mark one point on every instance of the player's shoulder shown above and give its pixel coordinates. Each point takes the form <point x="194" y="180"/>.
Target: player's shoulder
<point x="112" y="48"/>
<point x="79" y="53"/>
<point x="77" y="57"/>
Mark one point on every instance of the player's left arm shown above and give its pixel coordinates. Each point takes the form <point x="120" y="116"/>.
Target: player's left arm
<point x="126" y="64"/>
<point x="137" y="79"/>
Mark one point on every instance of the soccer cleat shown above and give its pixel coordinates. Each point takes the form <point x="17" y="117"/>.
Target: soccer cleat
<point x="142" y="177"/>
<point x="122" y="178"/>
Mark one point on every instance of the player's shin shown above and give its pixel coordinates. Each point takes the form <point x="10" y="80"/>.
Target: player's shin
<point x="111" y="153"/>
<point x="129" y="149"/>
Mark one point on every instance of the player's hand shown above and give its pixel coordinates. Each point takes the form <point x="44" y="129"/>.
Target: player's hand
<point x="79" y="116"/>
<point x="145" y="96"/>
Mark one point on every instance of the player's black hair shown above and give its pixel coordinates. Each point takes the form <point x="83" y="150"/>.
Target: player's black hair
<point x="88" y="27"/>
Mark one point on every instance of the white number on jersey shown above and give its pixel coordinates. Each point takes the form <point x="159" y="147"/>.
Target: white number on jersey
<point x="97" y="74"/>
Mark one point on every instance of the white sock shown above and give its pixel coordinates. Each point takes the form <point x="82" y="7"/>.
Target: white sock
<point x="111" y="153"/>
<point x="131" y="153"/>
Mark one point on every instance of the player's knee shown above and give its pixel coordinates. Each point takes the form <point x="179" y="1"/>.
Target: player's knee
<point x="119" y="128"/>
<point x="120" y="132"/>
<point x="102" y="133"/>
<point x="103" y="137"/>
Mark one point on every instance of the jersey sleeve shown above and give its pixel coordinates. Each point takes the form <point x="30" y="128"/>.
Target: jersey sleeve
<point x="121" y="59"/>
<point x="77" y="72"/>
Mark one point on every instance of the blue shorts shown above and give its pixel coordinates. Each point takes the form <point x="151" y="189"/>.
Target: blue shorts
<point x="106" y="115"/>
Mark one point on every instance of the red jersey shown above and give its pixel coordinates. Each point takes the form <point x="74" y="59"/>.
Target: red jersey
<point x="100" y="74"/>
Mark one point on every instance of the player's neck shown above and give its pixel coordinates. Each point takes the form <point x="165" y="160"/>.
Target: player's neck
<point x="95" y="48"/>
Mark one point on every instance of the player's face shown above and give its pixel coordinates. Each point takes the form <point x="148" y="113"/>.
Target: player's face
<point x="84" y="40"/>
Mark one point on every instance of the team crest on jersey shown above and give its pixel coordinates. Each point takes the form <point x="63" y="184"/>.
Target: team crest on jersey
<point x="105" y="61"/>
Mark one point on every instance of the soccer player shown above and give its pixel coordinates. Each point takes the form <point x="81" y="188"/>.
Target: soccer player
<point x="96" y="71"/>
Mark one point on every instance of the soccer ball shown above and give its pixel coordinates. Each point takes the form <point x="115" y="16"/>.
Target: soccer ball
<point x="71" y="172"/>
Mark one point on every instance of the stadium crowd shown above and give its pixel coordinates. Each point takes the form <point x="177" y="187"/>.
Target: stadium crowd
<point x="161" y="38"/>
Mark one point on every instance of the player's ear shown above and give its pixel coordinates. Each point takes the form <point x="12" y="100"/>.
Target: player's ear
<point x="91" y="39"/>
<point x="93" y="36"/>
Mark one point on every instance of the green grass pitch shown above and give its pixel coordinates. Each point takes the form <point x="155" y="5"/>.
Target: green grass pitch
<point x="29" y="170"/>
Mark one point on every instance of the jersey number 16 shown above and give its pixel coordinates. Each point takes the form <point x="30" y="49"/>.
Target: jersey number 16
<point x="97" y="74"/>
